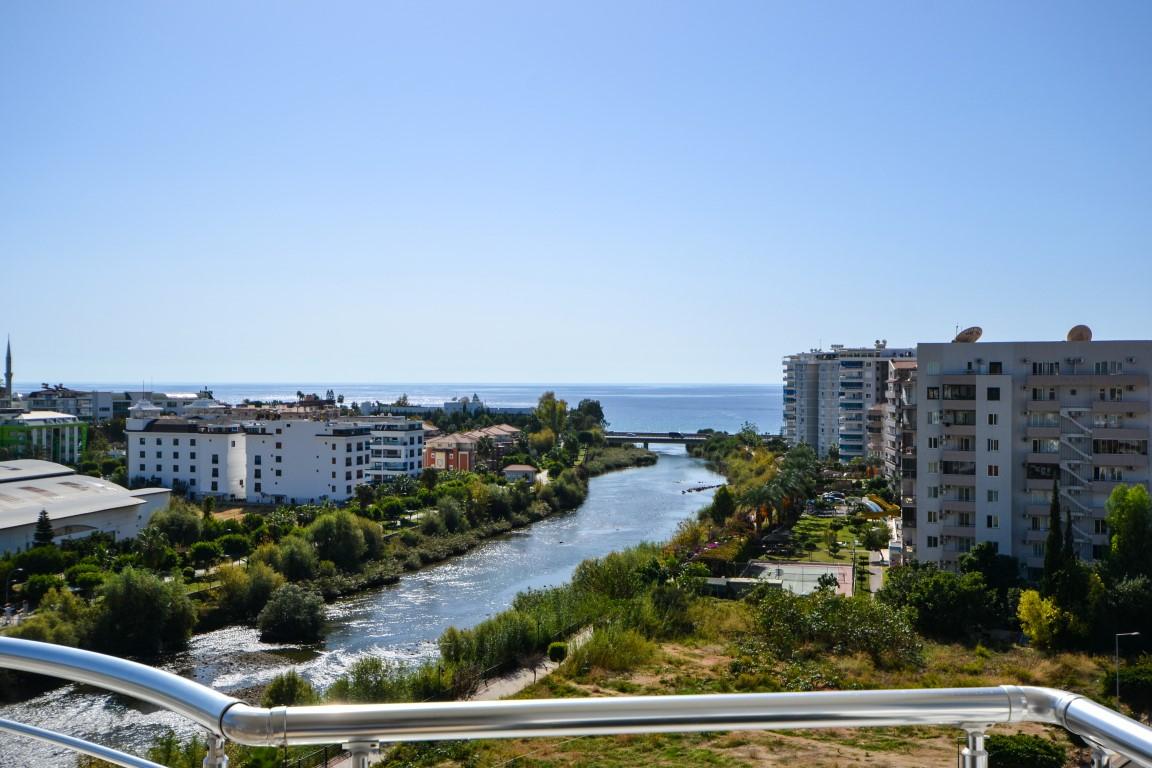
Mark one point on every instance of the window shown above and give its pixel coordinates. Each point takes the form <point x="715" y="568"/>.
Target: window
<point x="993" y="393"/>
<point x="215" y="458"/>
<point x="933" y="442"/>
<point x="993" y="419"/>
<point x="141" y="441"/>
<point x="142" y="468"/>
<point x="141" y="454"/>
<point x="932" y="515"/>
<point x="158" y="439"/>
<point x="348" y="461"/>
<point x="233" y="443"/>
<point x="992" y="521"/>
<point x="993" y="444"/>
<point x="192" y="442"/>
<point x="256" y="474"/>
<point x="214" y="485"/>
<point x="347" y="447"/>
<point x="993" y="470"/>
<point x="1099" y="527"/>
<point x="278" y="457"/>
<point x="257" y="459"/>
<point x="1037" y="549"/>
<point x="175" y="441"/>
<point x="348" y="475"/>
<point x="995" y="367"/>
<point x="933" y="492"/>
<point x="159" y="454"/>
<point x="934" y="417"/>
<point x="159" y="468"/>
<point x="175" y="454"/>
<point x="933" y="393"/>
<point x="1036" y="523"/>
<point x="176" y="470"/>
<point x="933" y="467"/>
<point x="256" y="487"/>
<point x="215" y="472"/>
<point x="933" y="542"/>
<point x="279" y="445"/>
<point x="192" y="455"/>
<point x="993" y="496"/>
<point x="192" y="470"/>
<point x="277" y="473"/>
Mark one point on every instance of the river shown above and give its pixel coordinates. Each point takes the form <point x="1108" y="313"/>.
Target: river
<point x="402" y="621"/>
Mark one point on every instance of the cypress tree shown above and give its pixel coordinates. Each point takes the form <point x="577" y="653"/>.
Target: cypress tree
<point x="1054" y="546"/>
<point x="1069" y="552"/>
<point x="44" y="534"/>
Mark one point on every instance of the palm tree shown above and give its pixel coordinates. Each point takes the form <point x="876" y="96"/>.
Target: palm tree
<point x="486" y="450"/>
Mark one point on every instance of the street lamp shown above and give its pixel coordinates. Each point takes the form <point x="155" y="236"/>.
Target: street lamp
<point x="8" y="583"/>
<point x="1118" y="636"/>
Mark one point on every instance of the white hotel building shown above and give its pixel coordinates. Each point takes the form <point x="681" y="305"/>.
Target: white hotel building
<point x="271" y="461"/>
<point x="998" y="424"/>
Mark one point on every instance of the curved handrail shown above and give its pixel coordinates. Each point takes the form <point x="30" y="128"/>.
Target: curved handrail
<point x="971" y="708"/>
<point x="198" y="703"/>
<point x="106" y="754"/>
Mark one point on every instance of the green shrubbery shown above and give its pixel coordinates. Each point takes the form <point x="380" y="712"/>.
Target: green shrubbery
<point x="1023" y="751"/>
<point x="292" y="614"/>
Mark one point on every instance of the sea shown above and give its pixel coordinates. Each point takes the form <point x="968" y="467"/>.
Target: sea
<point x="627" y="407"/>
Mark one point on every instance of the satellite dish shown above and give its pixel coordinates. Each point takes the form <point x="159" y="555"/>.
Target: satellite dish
<point x="968" y="335"/>
<point x="1080" y="333"/>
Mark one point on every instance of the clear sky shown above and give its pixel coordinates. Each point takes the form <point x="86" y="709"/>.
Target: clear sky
<point x="570" y="192"/>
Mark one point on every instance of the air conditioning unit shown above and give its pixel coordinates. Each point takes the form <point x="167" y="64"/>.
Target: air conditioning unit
<point x="1130" y="359"/>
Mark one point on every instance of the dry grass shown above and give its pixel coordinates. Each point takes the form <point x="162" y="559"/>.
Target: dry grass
<point x="705" y="665"/>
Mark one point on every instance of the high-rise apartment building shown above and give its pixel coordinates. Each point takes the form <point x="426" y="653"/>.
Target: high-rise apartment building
<point x="828" y="394"/>
<point x="1000" y="425"/>
<point x="898" y="441"/>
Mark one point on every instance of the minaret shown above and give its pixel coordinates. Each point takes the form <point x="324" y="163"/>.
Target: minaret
<point x="8" y="375"/>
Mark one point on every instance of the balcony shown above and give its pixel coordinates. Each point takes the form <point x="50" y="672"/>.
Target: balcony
<point x="959" y="531"/>
<point x="1087" y="380"/>
<point x="359" y="727"/>
<point x="956" y="505"/>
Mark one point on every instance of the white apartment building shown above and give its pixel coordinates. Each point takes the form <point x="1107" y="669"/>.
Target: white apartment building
<point x="827" y="395"/>
<point x="999" y="424"/>
<point x="397" y="447"/>
<point x="270" y="461"/>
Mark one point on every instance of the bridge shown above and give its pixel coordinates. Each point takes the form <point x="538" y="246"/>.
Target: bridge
<point x="361" y="728"/>
<point x="681" y="438"/>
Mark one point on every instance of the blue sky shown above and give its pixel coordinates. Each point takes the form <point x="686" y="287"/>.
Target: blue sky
<point x="608" y="192"/>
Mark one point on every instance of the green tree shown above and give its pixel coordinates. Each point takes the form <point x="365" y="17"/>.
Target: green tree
<point x="205" y="553"/>
<point x="140" y="614"/>
<point x="43" y="536"/>
<point x="1054" y="561"/>
<point x="589" y="414"/>
<point x="235" y="545"/>
<point x="289" y="690"/>
<point x="486" y="451"/>
<point x="292" y="614"/>
<point x="875" y="538"/>
<point x="338" y="538"/>
<point x="723" y="505"/>
<point x="1130" y="526"/>
<point x="296" y="559"/>
<point x="181" y="522"/>
<point x="552" y="413"/>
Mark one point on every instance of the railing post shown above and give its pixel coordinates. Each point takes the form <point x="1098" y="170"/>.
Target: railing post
<point x="1101" y="758"/>
<point x="360" y="751"/>
<point x="974" y="755"/>
<point x="215" y="757"/>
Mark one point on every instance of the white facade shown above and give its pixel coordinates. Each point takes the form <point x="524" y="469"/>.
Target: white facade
<point x="270" y="461"/>
<point x="1000" y="423"/>
<point x="827" y="396"/>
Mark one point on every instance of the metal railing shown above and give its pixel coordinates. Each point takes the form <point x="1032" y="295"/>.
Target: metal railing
<point x="361" y="728"/>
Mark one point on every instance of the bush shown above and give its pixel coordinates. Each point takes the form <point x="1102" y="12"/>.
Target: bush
<point x="612" y="650"/>
<point x="142" y="615"/>
<point x="1023" y="751"/>
<point x="292" y="615"/>
<point x="289" y="690"/>
<point x="204" y="553"/>
<point x="235" y="545"/>
<point x="181" y="522"/>
<point x="38" y="585"/>
<point x="47" y="559"/>
<point x="557" y="652"/>
<point x="338" y="537"/>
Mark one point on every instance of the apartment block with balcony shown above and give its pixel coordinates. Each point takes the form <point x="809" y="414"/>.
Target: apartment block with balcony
<point x="898" y="442"/>
<point x="828" y="396"/>
<point x="397" y="448"/>
<point x="1001" y="424"/>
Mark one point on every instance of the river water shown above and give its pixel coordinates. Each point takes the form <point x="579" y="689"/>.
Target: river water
<point x="402" y="621"/>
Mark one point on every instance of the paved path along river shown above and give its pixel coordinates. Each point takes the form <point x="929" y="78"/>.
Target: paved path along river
<point x="401" y="621"/>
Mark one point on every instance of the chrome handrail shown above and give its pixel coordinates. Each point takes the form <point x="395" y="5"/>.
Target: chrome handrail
<point x="106" y="754"/>
<point x="973" y="709"/>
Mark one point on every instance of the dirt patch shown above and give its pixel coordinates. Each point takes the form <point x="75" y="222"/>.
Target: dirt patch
<point x="232" y="513"/>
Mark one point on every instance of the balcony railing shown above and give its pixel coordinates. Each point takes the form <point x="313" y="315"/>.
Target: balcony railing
<point x="360" y="728"/>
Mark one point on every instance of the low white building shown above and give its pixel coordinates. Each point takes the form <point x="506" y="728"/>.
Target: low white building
<point x="43" y="434"/>
<point x="77" y="505"/>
